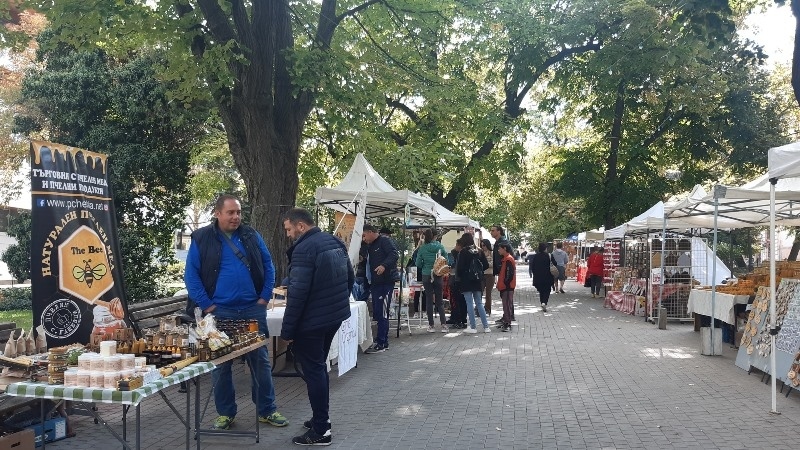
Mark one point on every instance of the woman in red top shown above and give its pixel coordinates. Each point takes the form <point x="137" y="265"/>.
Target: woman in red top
<point x="506" y="282"/>
<point x="594" y="270"/>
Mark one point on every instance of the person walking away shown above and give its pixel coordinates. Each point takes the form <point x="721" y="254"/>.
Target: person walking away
<point x="529" y="259"/>
<point x="458" y="305"/>
<point x="229" y="273"/>
<point x="488" y="276"/>
<point x="561" y="259"/>
<point x="506" y="282"/>
<point x="543" y="279"/>
<point x="380" y="270"/>
<point x="317" y="302"/>
<point x="594" y="270"/>
<point x="432" y="283"/>
<point x="470" y="267"/>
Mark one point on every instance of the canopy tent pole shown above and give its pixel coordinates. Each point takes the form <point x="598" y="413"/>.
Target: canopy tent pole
<point x="663" y="279"/>
<point x="773" y="328"/>
<point x="714" y="273"/>
<point x="403" y="278"/>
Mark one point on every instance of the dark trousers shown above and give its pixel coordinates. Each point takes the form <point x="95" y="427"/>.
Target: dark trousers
<point x="544" y="292"/>
<point x="459" y="312"/>
<point x="311" y="350"/>
<point x="507" y="297"/>
<point x="381" y="299"/>
<point x="596" y="283"/>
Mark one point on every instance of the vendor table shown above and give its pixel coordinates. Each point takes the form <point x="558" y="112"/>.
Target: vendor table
<point x="700" y="303"/>
<point x="86" y="396"/>
<point x="621" y="301"/>
<point x="359" y="309"/>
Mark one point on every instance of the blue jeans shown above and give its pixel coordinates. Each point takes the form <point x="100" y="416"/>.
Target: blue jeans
<point x="381" y="298"/>
<point x="475" y="301"/>
<point x="257" y="360"/>
<point x="311" y="350"/>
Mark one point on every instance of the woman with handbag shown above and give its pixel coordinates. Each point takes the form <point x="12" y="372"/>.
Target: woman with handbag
<point x="431" y="282"/>
<point x="542" y="276"/>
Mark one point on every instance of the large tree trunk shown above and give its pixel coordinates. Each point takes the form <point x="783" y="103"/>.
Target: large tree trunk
<point x="611" y="180"/>
<point x="262" y="113"/>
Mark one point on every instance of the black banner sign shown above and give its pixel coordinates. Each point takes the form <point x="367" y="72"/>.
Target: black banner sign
<point x="76" y="272"/>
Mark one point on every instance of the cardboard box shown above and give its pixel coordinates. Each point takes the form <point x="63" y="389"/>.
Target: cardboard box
<point x="53" y="430"/>
<point x="21" y="440"/>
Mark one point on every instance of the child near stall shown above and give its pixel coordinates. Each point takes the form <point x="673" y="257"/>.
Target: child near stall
<point x="506" y="282"/>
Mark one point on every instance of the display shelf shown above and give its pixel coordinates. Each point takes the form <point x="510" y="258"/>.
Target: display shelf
<point x="673" y="264"/>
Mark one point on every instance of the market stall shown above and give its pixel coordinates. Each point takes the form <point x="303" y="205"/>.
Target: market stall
<point x="769" y="199"/>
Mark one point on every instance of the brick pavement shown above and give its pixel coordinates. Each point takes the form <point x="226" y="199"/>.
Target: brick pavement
<point x="578" y="376"/>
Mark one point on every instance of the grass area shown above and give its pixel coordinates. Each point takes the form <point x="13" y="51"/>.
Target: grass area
<point x="22" y="317"/>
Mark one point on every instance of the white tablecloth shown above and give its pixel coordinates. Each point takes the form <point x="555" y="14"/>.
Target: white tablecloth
<point x="700" y="303"/>
<point x="275" y="325"/>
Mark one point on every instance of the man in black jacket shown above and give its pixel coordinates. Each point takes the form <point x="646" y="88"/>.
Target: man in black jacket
<point x="318" y="296"/>
<point x="381" y="269"/>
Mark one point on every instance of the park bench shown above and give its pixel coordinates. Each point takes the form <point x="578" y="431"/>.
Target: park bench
<point x="148" y="315"/>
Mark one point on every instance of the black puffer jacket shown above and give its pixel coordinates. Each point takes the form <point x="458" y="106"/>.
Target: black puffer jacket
<point x="319" y="284"/>
<point x="382" y="252"/>
<point x="463" y="264"/>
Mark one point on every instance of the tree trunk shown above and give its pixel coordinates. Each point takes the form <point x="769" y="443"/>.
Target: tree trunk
<point x="611" y="181"/>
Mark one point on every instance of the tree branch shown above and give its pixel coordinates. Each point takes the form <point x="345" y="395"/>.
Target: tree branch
<point x="405" y="109"/>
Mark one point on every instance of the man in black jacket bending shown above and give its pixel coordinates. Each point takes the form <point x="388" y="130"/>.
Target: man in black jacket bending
<point x="381" y="268"/>
<point x="317" y="302"/>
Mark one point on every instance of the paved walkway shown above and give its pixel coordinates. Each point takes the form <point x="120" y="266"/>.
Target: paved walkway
<point x="578" y="376"/>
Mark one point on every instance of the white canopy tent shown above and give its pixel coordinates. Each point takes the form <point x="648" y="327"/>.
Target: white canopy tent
<point x="363" y="183"/>
<point x="363" y="192"/>
<point x="448" y="219"/>
<point x="592" y="235"/>
<point x="768" y="200"/>
<point x="656" y="217"/>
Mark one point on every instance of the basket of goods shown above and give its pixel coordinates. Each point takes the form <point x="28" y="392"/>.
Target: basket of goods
<point x="739" y="287"/>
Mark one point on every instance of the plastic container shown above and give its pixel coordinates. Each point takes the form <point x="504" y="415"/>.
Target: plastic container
<point x="139" y="362"/>
<point x="83" y="378"/>
<point x="112" y="364"/>
<point x="97" y="379"/>
<point x="85" y="360"/>
<point x="97" y="364"/>
<point x="108" y="348"/>
<point x="70" y="377"/>
<point x="128" y="361"/>
<point x="127" y="373"/>
<point x="110" y="379"/>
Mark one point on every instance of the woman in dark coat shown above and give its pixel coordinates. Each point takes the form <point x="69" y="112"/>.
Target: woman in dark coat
<point x="542" y="278"/>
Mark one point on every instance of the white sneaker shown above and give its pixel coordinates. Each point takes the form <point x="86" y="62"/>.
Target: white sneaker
<point x="487" y="330"/>
<point x="431" y="329"/>
<point x="470" y="330"/>
<point x="444" y="329"/>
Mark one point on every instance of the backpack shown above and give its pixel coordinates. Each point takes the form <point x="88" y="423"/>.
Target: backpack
<point x="475" y="270"/>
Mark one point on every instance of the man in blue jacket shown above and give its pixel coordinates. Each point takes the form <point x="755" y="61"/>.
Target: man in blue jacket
<point x="381" y="269"/>
<point x="229" y="273"/>
<point x="317" y="302"/>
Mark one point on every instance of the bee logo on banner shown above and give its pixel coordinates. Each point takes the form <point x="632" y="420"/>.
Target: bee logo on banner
<point x="76" y="274"/>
